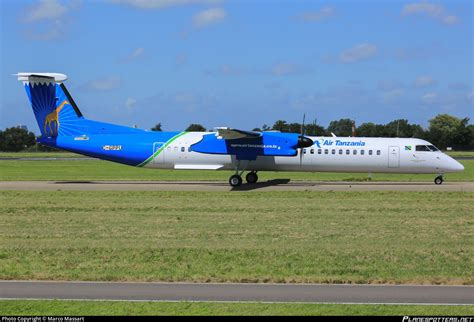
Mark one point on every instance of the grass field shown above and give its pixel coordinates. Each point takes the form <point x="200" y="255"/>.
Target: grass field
<point x="327" y="237"/>
<point x="102" y="170"/>
<point x="78" y="308"/>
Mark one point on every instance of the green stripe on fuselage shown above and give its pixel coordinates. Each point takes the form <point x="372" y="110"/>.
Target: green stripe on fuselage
<point x="154" y="155"/>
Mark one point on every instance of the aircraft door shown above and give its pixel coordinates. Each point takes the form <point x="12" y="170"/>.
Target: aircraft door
<point x="160" y="157"/>
<point x="393" y="157"/>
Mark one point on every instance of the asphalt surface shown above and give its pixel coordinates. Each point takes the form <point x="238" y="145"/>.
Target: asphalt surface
<point x="311" y="293"/>
<point x="272" y="185"/>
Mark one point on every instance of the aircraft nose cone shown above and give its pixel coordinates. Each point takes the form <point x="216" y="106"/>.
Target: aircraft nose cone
<point x="455" y="166"/>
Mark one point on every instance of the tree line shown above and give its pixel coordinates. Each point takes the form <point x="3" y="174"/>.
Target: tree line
<point x="444" y="131"/>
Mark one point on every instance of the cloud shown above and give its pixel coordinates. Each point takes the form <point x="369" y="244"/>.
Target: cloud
<point x="431" y="10"/>
<point x="316" y="16"/>
<point x="283" y="69"/>
<point x="130" y="103"/>
<point x="389" y="85"/>
<point x="429" y="98"/>
<point x="162" y="4"/>
<point x="425" y="81"/>
<point x="181" y="60"/>
<point x="209" y="17"/>
<point x="358" y="53"/>
<point x="47" y="19"/>
<point x="45" y="10"/>
<point x="103" y="84"/>
<point x="136" y="54"/>
<point x="226" y="70"/>
<point x="458" y="86"/>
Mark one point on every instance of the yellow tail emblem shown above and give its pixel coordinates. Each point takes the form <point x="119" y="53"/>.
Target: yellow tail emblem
<point x="52" y="118"/>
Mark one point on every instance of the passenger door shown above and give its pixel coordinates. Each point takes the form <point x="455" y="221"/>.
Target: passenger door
<point x="393" y="157"/>
<point x="160" y="158"/>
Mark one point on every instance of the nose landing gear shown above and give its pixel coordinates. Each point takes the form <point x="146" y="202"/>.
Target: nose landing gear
<point x="439" y="179"/>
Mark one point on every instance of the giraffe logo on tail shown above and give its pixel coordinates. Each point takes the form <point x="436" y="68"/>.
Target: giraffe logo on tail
<point x="52" y="118"/>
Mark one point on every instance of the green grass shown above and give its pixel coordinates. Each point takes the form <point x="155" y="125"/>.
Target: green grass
<point x="457" y="154"/>
<point x="324" y="237"/>
<point x="80" y="308"/>
<point x="92" y="170"/>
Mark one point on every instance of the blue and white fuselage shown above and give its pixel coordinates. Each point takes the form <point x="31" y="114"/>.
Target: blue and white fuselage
<point x="63" y="126"/>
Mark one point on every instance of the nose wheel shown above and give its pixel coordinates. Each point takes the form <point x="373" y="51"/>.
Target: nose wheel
<point x="439" y="180"/>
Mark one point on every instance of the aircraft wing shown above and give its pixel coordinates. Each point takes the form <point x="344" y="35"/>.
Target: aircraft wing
<point x="232" y="134"/>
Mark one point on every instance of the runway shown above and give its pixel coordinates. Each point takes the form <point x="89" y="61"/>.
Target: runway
<point x="301" y="293"/>
<point x="272" y="185"/>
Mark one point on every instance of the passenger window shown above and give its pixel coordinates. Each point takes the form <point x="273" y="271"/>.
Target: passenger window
<point x="333" y="151"/>
<point x="175" y="149"/>
<point x="348" y="151"/>
<point x="370" y="152"/>
<point x="169" y="148"/>
<point x="189" y="149"/>
<point x="326" y="151"/>
<point x="304" y="151"/>
<point x="319" y="151"/>
<point x="182" y="149"/>
<point x="354" y="152"/>
<point x="340" y="151"/>
<point x="362" y="152"/>
<point x="312" y="151"/>
<point x="378" y="152"/>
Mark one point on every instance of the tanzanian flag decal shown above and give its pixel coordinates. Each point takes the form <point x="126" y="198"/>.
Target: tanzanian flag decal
<point x="407" y="147"/>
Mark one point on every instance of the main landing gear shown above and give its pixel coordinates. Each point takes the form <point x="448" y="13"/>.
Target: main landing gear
<point x="236" y="179"/>
<point x="439" y="179"/>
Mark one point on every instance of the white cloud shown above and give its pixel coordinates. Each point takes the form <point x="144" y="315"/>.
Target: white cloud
<point x="425" y="81"/>
<point x="134" y="55"/>
<point x="48" y="18"/>
<point x="208" y="17"/>
<point x="432" y="10"/>
<point x="358" y="53"/>
<point x="45" y="10"/>
<point x="392" y="95"/>
<point x="104" y="84"/>
<point x="429" y="98"/>
<point x="130" y="103"/>
<point x="315" y="16"/>
<point x="162" y="4"/>
<point x="282" y="69"/>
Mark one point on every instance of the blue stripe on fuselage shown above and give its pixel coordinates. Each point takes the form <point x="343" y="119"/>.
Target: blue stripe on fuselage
<point x="130" y="148"/>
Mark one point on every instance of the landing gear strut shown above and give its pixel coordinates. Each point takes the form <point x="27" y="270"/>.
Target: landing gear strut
<point x="251" y="177"/>
<point x="236" y="179"/>
<point x="439" y="179"/>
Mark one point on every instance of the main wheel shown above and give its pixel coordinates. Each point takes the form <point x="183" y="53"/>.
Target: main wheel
<point x="438" y="180"/>
<point x="251" y="177"/>
<point x="235" y="180"/>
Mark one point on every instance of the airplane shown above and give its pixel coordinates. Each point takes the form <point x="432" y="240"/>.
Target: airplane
<point x="63" y="126"/>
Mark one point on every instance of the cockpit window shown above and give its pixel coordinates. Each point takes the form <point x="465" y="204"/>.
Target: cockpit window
<point x="433" y="148"/>
<point x="427" y="148"/>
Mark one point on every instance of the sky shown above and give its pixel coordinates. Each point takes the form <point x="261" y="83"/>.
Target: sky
<point x="242" y="63"/>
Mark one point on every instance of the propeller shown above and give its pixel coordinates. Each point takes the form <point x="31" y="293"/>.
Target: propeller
<point x="303" y="141"/>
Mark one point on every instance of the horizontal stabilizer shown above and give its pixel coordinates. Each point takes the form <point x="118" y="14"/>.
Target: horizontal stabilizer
<point x="29" y="77"/>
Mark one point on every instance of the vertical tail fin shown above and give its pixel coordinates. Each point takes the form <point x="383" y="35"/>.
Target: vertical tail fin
<point x="55" y="110"/>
